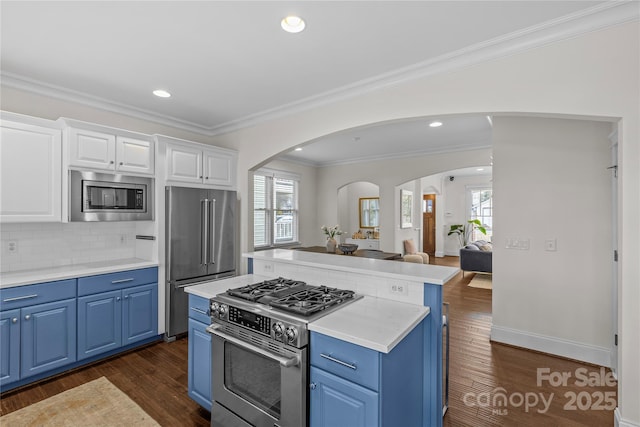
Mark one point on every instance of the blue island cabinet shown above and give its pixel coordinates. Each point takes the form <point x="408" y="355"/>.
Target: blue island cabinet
<point x="37" y="330"/>
<point x="354" y="386"/>
<point x="116" y="310"/>
<point x="199" y="363"/>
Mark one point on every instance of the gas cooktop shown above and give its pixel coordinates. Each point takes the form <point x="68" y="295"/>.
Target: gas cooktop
<point x="292" y="296"/>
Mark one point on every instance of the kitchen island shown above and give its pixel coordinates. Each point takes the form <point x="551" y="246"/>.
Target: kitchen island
<point x="394" y="332"/>
<point x="418" y="284"/>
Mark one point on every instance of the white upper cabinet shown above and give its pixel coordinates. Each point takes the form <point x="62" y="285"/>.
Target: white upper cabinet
<point x="200" y="164"/>
<point x="30" y="170"/>
<point x="109" y="151"/>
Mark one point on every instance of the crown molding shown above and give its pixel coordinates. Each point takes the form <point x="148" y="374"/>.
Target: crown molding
<point x="595" y="18"/>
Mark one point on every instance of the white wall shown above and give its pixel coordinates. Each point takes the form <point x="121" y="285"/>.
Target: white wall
<point x="551" y="182"/>
<point x="595" y="74"/>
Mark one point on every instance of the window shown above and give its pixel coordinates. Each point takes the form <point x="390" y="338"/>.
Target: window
<point x="481" y="208"/>
<point x="275" y="209"/>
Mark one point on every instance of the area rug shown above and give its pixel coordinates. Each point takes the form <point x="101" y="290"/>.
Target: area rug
<point x="96" y="403"/>
<point x="482" y="281"/>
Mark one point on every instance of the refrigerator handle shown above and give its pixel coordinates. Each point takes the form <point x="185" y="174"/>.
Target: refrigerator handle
<point x="204" y="224"/>
<point x="212" y="237"/>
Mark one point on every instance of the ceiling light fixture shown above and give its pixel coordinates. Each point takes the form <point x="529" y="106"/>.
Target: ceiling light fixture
<point x="298" y="149"/>
<point x="480" y="169"/>
<point x="435" y="124"/>
<point x="161" y="93"/>
<point x="292" y="24"/>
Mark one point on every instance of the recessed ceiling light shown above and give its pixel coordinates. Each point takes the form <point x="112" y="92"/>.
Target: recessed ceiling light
<point x="161" y="93"/>
<point x="292" y="24"/>
<point x="435" y="124"/>
<point x="298" y="149"/>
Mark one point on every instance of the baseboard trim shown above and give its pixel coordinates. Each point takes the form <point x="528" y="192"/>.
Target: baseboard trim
<point x="552" y="345"/>
<point x="439" y="254"/>
<point x="620" y="422"/>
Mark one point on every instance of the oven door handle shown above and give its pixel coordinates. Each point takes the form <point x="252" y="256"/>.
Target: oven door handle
<point x="284" y="361"/>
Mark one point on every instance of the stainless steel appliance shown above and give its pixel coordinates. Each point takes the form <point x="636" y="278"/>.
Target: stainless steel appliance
<point x="106" y="197"/>
<point x="200" y="246"/>
<point x="260" y="351"/>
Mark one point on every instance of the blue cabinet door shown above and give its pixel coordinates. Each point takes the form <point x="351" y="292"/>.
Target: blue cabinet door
<point x="200" y="364"/>
<point x="48" y="336"/>
<point x="99" y="323"/>
<point x="9" y="346"/>
<point x="139" y="313"/>
<point x="335" y="402"/>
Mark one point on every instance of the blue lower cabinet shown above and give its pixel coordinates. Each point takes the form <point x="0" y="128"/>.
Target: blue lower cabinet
<point x="110" y="320"/>
<point x="140" y="313"/>
<point x="99" y="323"/>
<point x="9" y="346"/>
<point x="48" y="337"/>
<point x="354" y="386"/>
<point x="337" y="402"/>
<point x="200" y="363"/>
<point x="199" y="352"/>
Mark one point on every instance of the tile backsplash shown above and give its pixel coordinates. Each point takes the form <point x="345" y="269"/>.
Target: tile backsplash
<point x="31" y="246"/>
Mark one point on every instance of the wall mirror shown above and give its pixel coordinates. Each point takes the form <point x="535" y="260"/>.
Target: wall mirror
<point x="369" y="212"/>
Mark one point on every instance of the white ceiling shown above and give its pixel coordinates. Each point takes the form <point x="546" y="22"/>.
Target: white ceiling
<point x="228" y="64"/>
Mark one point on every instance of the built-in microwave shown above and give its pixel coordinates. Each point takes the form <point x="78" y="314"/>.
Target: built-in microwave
<point x="105" y="197"/>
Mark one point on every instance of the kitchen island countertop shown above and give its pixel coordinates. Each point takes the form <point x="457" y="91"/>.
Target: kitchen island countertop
<point x="375" y="323"/>
<point x="399" y="270"/>
<point x="41" y="275"/>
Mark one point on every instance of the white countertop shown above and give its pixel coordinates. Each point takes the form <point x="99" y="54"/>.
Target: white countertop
<point x="28" y="277"/>
<point x="211" y="289"/>
<point x="375" y="323"/>
<point x="425" y="273"/>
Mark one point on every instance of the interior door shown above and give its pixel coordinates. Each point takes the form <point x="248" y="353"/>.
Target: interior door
<point x="429" y="223"/>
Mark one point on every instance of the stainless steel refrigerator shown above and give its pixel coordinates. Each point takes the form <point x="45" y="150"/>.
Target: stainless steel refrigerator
<point x="200" y="246"/>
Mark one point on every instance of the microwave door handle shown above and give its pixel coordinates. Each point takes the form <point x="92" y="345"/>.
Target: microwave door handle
<point x="212" y="237"/>
<point x="284" y="361"/>
<point x="204" y="225"/>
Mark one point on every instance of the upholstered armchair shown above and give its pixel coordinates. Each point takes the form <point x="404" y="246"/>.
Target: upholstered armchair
<point x="411" y="254"/>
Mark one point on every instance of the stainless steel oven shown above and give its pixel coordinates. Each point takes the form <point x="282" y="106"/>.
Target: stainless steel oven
<point x="260" y="340"/>
<point x="105" y="197"/>
<point x="259" y="382"/>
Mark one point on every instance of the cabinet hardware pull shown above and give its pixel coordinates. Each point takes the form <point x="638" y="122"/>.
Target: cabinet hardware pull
<point x="20" y="298"/>
<point x="114" y="282"/>
<point x="197" y="310"/>
<point x="117" y="298"/>
<point x="27" y="317"/>
<point x="338" y="361"/>
<point x="14" y="320"/>
<point x="312" y="386"/>
<point x="111" y="162"/>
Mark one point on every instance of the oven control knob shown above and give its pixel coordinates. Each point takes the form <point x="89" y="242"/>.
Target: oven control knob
<point x="292" y="334"/>
<point x="215" y="308"/>
<point x="224" y="308"/>
<point x="278" y="329"/>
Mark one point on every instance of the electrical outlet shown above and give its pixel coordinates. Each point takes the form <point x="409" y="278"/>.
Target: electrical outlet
<point x="550" y="245"/>
<point x="398" y="289"/>
<point x="12" y="247"/>
<point x="268" y="267"/>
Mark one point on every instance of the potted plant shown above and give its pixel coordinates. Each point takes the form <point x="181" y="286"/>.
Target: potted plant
<point x="464" y="231"/>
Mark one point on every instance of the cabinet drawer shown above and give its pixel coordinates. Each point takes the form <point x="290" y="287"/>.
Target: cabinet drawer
<point x="199" y="309"/>
<point x="113" y="281"/>
<point x="22" y="296"/>
<point x="349" y="361"/>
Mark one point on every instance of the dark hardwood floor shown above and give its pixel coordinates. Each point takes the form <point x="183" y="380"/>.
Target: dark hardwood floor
<point x="155" y="377"/>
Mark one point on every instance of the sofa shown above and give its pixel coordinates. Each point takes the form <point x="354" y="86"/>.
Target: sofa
<point x="476" y="257"/>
